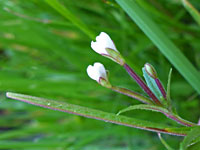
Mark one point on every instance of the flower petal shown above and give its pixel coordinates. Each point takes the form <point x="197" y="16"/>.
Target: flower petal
<point x="92" y="73"/>
<point x="106" y="40"/>
<point x="101" y="69"/>
<point x="98" y="47"/>
<point x="96" y="71"/>
<point x="103" y="41"/>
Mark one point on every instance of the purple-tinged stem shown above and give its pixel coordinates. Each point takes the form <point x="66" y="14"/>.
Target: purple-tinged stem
<point x="180" y="120"/>
<point x="161" y="88"/>
<point x="132" y="94"/>
<point x="171" y="115"/>
<point x="141" y="83"/>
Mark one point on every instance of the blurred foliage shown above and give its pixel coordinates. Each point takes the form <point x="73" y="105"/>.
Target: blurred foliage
<point x="43" y="54"/>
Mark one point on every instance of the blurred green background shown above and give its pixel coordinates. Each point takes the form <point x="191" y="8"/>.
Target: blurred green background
<point x="44" y="54"/>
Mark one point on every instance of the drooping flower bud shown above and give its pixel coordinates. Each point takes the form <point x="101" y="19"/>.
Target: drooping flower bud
<point x="106" y="47"/>
<point x="150" y="70"/>
<point x="98" y="72"/>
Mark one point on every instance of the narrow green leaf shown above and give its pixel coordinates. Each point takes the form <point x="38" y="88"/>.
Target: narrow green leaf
<point x="67" y="14"/>
<point x="144" y="107"/>
<point x="192" y="10"/>
<point x="168" y="88"/>
<point x="158" y="109"/>
<point x="164" y="142"/>
<point x="152" y="84"/>
<point x="190" y="138"/>
<point x="160" y="39"/>
<point x="97" y="114"/>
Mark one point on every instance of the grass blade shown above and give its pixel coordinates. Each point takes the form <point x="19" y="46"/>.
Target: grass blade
<point x="193" y="11"/>
<point x="67" y="14"/>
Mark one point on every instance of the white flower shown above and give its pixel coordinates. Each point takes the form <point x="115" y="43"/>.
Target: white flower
<point x="97" y="71"/>
<point x="106" y="47"/>
<point x="103" y="41"/>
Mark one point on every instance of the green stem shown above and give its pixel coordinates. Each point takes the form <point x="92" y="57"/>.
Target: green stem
<point x="180" y="120"/>
<point x="132" y="94"/>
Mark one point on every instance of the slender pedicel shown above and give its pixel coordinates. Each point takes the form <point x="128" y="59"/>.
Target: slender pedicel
<point x="141" y="83"/>
<point x="161" y="88"/>
<point x="132" y="94"/>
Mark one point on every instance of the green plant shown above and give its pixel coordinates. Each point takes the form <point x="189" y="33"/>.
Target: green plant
<point x="45" y="50"/>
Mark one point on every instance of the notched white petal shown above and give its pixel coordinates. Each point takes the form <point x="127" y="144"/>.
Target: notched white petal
<point x="106" y="47"/>
<point x="98" y="47"/>
<point x="96" y="71"/>
<point x="108" y="41"/>
<point x="91" y="73"/>
<point x="101" y="69"/>
<point x="103" y="41"/>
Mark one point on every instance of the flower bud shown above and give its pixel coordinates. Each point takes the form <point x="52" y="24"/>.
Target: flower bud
<point x="150" y="70"/>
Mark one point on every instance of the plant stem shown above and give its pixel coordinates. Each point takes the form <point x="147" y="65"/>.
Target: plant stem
<point x="170" y="115"/>
<point x="141" y="83"/>
<point x="132" y="94"/>
<point x="180" y="120"/>
<point x="161" y="88"/>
